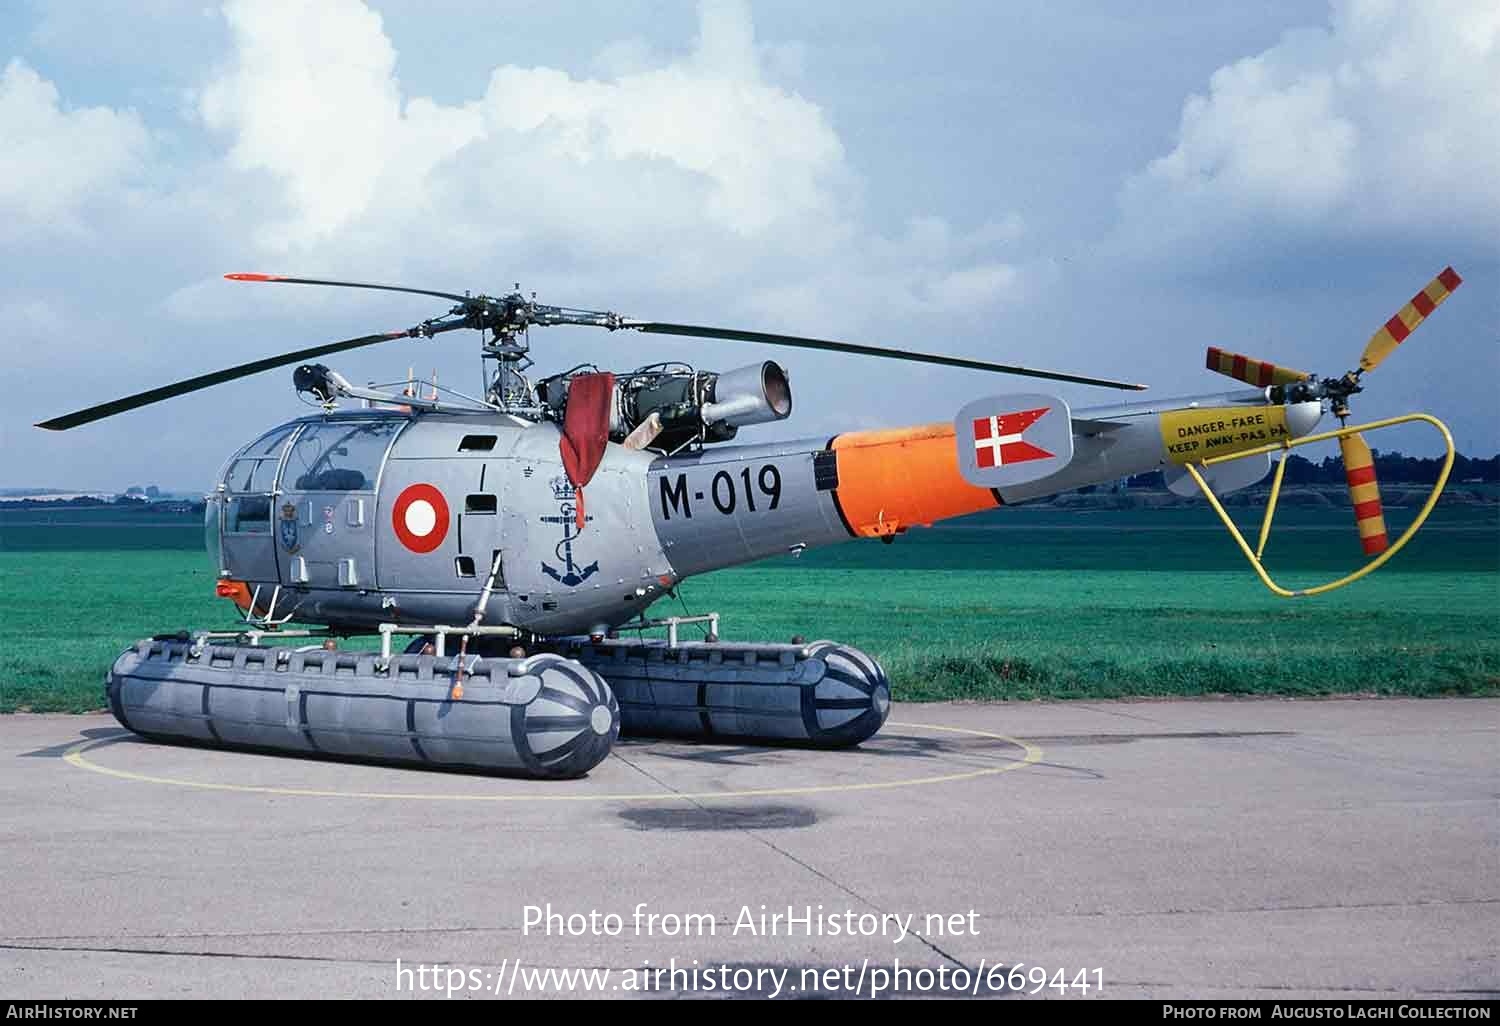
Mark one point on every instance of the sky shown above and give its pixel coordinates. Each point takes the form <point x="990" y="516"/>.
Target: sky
<point x="1104" y="189"/>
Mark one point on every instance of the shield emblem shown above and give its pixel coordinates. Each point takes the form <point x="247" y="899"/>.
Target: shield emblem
<point x="287" y="528"/>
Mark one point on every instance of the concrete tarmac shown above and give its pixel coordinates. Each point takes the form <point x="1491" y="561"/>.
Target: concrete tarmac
<point x="1213" y="848"/>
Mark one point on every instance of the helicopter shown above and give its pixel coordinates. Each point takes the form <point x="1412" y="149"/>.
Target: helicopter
<point x="536" y="523"/>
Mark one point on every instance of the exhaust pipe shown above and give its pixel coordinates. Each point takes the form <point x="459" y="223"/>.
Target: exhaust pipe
<point x="757" y="394"/>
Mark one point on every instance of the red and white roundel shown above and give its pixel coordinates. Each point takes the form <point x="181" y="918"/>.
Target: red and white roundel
<point x="420" y="517"/>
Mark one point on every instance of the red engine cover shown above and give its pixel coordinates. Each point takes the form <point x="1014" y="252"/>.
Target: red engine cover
<point x="585" y="430"/>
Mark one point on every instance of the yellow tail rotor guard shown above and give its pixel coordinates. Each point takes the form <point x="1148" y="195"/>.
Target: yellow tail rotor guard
<point x="1265" y="528"/>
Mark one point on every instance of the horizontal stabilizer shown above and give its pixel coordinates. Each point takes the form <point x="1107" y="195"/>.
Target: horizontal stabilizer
<point x="1223" y="478"/>
<point x="1090" y="426"/>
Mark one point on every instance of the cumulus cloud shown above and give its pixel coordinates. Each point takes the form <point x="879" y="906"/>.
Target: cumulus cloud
<point x="1386" y="123"/>
<point x="695" y="173"/>
<point x="56" y="161"/>
<point x="312" y="98"/>
<point x="692" y="183"/>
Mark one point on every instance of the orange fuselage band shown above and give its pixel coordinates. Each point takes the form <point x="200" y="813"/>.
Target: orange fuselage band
<point x="903" y="477"/>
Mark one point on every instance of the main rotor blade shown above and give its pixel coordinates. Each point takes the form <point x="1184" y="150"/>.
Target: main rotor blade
<point x="691" y="330"/>
<point x="156" y="395"/>
<point x="244" y="276"/>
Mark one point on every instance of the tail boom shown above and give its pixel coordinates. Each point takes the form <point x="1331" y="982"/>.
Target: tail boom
<point x="729" y="505"/>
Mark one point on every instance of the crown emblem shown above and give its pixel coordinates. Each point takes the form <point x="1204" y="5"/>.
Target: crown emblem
<point x="562" y="488"/>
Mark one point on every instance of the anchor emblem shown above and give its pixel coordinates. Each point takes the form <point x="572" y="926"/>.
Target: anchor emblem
<point x="572" y="575"/>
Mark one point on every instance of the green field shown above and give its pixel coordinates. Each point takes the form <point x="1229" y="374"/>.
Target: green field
<point x="1020" y="603"/>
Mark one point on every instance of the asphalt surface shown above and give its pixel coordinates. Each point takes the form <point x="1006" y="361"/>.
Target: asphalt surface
<point x="1261" y="848"/>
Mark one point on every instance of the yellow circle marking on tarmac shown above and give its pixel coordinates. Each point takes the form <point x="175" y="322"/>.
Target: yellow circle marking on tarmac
<point x="1033" y="754"/>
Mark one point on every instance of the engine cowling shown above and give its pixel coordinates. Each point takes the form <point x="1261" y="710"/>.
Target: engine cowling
<point x="688" y="403"/>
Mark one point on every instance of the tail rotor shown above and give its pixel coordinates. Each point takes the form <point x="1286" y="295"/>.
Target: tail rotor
<point x="1285" y="385"/>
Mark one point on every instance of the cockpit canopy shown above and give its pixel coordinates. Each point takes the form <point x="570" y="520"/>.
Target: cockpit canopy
<point x="323" y="456"/>
<point x="340" y="454"/>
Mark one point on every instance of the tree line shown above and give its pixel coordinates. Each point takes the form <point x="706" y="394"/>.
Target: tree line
<point x="1390" y="468"/>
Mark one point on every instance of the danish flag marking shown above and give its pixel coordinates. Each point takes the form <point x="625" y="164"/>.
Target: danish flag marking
<point x="998" y="439"/>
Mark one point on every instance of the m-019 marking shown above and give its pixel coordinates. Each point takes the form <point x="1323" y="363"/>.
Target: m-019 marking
<point x="725" y="491"/>
<point x="708" y="509"/>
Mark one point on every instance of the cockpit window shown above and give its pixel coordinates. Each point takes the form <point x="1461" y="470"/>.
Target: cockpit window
<point x="269" y="444"/>
<point x="248" y="514"/>
<point x="251" y="480"/>
<point x="253" y="469"/>
<point x="247" y="476"/>
<point x="339" y="456"/>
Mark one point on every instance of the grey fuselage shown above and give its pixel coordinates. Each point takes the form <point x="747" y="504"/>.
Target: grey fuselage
<point x="342" y="516"/>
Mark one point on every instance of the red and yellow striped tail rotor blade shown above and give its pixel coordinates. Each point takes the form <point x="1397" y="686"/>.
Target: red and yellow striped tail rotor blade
<point x="1391" y="334"/>
<point x="1254" y="372"/>
<point x="1364" y="492"/>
